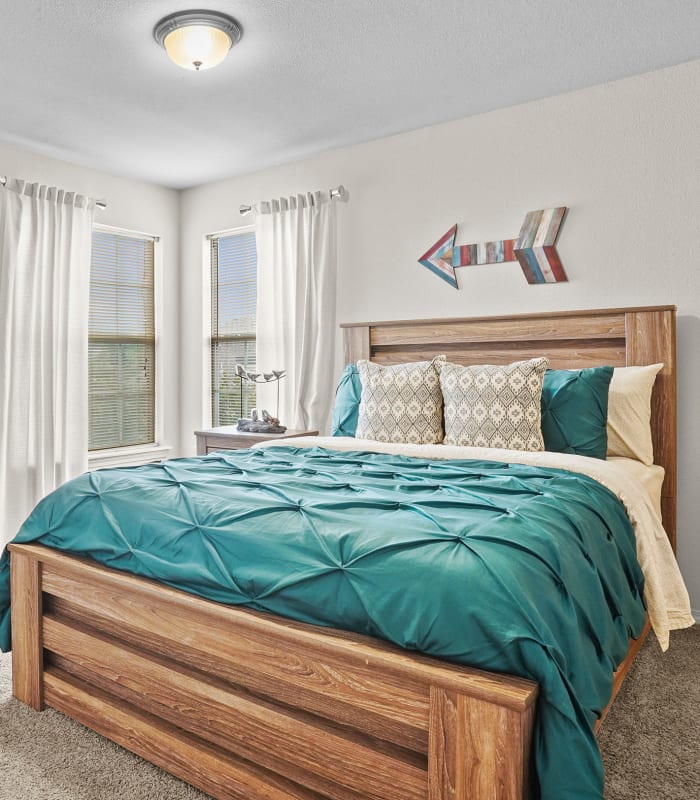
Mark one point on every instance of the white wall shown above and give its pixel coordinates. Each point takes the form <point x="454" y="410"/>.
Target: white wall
<point x="137" y="206"/>
<point x="625" y="158"/>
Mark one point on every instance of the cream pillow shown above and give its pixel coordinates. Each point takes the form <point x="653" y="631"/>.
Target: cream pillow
<point x="400" y="403"/>
<point x="494" y="406"/>
<point x="629" y="412"/>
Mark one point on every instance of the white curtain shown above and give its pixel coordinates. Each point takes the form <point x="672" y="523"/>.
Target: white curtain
<point x="296" y="317"/>
<point x="45" y="241"/>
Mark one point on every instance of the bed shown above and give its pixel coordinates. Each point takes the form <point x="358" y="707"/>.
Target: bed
<point x="246" y="704"/>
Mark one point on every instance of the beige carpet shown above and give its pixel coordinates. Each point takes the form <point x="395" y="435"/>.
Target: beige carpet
<point x="650" y="742"/>
<point x="651" y="739"/>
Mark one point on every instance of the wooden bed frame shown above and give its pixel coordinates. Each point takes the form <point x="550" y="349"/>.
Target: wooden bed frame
<point x="248" y="705"/>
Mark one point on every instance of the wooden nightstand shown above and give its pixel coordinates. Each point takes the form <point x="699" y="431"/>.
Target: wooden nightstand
<point x="227" y="437"/>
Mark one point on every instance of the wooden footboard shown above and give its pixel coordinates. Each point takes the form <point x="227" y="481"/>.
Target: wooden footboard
<point x="248" y="705"/>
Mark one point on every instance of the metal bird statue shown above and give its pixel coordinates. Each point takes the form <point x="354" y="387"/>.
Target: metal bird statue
<point x="262" y="422"/>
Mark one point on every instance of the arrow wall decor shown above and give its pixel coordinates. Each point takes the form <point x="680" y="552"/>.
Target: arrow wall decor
<point x="534" y="249"/>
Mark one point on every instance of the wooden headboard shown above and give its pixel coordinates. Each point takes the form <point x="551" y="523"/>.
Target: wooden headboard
<point x="571" y="339"/>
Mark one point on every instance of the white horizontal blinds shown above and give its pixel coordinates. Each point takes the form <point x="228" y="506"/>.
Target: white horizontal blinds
<point x="233" y="300"/>
<point x="121" y="349"/>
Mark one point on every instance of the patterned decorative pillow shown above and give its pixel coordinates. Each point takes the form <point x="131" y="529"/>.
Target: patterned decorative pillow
<point x="401" y="403"/>
<point x="494" y="406"/>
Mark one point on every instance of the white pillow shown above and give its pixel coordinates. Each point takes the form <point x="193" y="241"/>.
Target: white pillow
<point x="401" y="402"/>
<point x="494" y="406"/>
<point x="629" y="412"/>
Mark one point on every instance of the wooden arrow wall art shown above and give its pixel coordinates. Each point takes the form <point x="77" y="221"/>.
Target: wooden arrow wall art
<point x="534" y="249"/>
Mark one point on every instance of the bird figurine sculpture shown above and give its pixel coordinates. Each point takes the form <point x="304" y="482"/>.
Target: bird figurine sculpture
<point x="261" y="422"/>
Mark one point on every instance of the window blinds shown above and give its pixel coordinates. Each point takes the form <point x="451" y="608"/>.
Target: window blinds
<point x="233" y="300"/>
<point x="121" y="343"/>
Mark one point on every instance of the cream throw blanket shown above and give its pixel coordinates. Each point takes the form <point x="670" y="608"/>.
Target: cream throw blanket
<point x="666" y="597"/>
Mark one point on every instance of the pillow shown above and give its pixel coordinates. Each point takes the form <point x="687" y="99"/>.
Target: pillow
<point x="575" y="411"/>
<point x="400" y="403"/>
<point x="629" y="412"/>
<point x="494" y="406"/>
<point x="347" y="403"/>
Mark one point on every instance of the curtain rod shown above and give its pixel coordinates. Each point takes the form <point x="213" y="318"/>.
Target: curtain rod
<point x="339" y="193"/>
<point x="101" y="204"/>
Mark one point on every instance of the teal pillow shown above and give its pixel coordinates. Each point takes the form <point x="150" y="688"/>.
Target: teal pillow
<point x="347" y="403"/>
<point x="575" y="411"/>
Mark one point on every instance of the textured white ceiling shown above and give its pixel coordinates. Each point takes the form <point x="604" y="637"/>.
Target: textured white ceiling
<point x="83" y="80"/>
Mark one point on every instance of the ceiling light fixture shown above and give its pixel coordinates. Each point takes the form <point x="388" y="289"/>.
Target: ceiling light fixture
<point x="197" y="40"/>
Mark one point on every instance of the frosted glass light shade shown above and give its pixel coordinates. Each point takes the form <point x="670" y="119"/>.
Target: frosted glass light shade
<point x="197" y="40"/>
<point x="197" y="46"/>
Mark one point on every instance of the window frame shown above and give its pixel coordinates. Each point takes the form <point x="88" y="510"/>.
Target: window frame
<point x="151" y="451"/>
<point x="207" y="400"/>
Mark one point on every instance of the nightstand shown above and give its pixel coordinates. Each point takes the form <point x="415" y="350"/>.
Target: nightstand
<point x="227" y="437"/>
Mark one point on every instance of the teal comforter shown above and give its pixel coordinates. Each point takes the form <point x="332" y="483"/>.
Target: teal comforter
<point x="511" y="568"/>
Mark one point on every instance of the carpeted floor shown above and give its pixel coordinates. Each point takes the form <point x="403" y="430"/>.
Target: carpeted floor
<point x="650" y="742"/>
<point x="651" y="739"/>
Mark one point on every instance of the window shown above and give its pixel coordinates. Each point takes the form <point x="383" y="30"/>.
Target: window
<point x="233" y="298"/>
<point x="121" y="341"/>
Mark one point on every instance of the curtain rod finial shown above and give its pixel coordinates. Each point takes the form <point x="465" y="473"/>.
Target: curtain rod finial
<point x="338" y="193"/>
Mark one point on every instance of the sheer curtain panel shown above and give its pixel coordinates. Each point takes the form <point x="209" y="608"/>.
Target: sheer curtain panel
<point x="296" y="318"/>
<point x="44" y="290"/>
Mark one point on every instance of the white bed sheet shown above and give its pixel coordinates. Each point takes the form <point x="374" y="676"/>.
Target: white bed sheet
<point x="650" y="476"/>
<point x="639" y="490"/>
